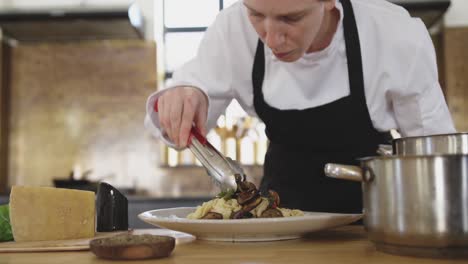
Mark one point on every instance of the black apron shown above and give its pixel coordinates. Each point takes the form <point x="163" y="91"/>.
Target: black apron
<point x="303" y="141"/>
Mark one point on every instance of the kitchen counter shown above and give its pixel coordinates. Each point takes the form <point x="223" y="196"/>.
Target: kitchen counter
<point x="340" y="245"/>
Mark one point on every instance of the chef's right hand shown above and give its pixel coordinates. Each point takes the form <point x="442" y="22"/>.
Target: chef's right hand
<point x="179" y="108"/>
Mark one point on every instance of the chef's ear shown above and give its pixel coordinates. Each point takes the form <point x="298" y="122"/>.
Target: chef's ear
<point x="329" y="4"/>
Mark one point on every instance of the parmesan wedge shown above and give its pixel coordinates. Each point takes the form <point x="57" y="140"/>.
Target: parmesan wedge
<point x="46" y="213"/>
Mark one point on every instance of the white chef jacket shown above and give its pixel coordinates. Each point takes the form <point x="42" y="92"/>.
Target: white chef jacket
<point x="399" y="63"/>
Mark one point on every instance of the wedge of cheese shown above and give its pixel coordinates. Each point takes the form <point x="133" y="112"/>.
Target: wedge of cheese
<point x="46" y="213"/>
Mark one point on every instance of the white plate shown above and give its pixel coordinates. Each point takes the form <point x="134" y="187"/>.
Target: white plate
<point x="254" y="229"/>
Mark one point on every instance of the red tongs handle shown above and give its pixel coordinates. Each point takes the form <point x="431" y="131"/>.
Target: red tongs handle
<point x="194" y="132"/>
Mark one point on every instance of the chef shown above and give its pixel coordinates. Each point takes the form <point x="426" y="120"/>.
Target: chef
<point x="328" y="78"/>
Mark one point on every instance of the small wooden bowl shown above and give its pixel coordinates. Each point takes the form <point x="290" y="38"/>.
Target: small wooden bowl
<point x="128" y="247"/>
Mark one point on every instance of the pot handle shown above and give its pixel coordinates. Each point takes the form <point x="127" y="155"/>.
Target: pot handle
<point x="344" y="172"/>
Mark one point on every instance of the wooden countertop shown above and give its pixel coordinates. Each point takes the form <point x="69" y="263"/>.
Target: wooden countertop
<point x="340" y="245"/>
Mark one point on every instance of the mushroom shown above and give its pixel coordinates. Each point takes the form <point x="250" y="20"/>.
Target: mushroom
<point x="272" y="212"/>
<point x="249" y="198"/>
<point x="239" y="178"/>
<point x="246" y="186"/>
<point x="252" y="205"/>
<point x="246" y="197"/>
<point x="213" y="215"/>
<point x="241" y="214"/>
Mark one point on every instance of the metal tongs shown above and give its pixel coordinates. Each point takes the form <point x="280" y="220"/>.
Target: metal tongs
<point x="223" y="170"/>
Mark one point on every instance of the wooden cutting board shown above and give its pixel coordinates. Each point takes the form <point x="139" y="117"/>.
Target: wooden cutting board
<point x="55" y="245"/>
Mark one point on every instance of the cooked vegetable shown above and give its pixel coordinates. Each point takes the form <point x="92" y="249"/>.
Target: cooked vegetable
<point x="250" y="206"/>
<point x="246" y="201"/>
<point x="241" y="214"/>
<point x="226" y="195"/>
<point x="246" y="197"/>
<point x="213" y="215"/>
<point x="250" y="198"/>
<point x="5" y="227"/>
<point x="272" y="212"/>
<point x="246" y="186"/>
<point x="273" y="198"/>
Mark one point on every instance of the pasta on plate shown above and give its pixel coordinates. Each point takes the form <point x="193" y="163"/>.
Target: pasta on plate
<point x="245" y="202"/>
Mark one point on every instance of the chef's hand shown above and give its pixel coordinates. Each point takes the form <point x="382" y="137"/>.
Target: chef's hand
<point x="178" y="109"/>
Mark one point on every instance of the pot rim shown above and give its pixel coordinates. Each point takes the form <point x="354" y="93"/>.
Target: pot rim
<point x="409" y="157"/>
<point x="430" y="136"/>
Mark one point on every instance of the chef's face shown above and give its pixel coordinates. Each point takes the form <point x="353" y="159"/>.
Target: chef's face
<point x="289" y="28"/>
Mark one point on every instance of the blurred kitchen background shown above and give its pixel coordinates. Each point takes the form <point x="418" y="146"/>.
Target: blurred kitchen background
<point x="75" y="76"/>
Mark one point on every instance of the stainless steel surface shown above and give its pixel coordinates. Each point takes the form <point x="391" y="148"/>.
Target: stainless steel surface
<point x="222" y="169"/>
<point x="344" y="172"/>
<point x="456" y="143"/>
<point x="385" y="150"/>
<point x="417" y="201"/>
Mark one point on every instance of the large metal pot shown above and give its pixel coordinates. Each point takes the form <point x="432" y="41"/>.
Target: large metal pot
<point x="413" y="205"/>
<point x="456" y="143"/>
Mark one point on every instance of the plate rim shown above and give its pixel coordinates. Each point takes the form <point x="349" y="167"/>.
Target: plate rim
<point x="147" y="215"/>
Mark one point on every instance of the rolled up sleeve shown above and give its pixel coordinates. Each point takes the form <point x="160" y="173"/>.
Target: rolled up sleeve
<point x="208" y="71"/>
